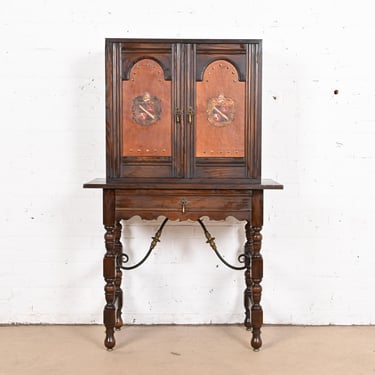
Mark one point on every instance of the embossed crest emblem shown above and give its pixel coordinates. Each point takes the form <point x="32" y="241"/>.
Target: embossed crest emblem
<point x="146" y="109"/>
<point x="220" y="111"/>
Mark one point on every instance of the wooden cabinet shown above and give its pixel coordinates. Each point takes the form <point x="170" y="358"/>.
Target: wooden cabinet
<point x="183" y="141"/>
<point x="183" y="109"/>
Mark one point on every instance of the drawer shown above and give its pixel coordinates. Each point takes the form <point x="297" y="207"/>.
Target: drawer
<point x="183" y="204"/>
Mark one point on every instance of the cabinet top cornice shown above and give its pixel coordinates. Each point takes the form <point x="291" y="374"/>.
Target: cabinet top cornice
<point x="186" y="41"/>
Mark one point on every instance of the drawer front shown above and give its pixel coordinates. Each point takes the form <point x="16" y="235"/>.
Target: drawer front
<point x="183" y="204"/>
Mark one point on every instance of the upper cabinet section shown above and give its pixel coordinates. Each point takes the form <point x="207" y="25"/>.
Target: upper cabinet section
<point x="183" y="109"/>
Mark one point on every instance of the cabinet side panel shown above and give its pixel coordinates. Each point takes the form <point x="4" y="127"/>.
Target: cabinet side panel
<point x="113" y="120"/>
<point x="254" y="72"/>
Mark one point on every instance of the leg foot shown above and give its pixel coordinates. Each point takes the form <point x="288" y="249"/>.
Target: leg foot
<point x="109" y="341"/>
<point x="256" y="341"/>
<point x="109" y="319"/>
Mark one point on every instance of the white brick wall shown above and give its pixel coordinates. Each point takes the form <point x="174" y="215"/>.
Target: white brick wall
<point x="318" y="244"/>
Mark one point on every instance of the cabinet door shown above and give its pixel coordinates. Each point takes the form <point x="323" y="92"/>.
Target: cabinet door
<point x="144" y="96"/>
<point x="226" y="108"/>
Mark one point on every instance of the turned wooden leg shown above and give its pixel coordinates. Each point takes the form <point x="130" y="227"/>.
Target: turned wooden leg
<point x="247" y="292"/>
<point x="256" y="277"/>
<point x="256" y="269"/>
<point x="109" y="268"/>
<point x="118" y="292"/>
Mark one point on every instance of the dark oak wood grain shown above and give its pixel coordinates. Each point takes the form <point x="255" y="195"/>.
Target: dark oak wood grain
<point x="183" y="141"/>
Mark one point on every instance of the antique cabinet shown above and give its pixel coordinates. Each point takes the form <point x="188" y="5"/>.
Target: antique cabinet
<point x="183" y="140"/>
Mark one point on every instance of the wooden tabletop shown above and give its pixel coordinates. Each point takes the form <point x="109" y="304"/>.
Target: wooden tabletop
<point x="101" y="183"/>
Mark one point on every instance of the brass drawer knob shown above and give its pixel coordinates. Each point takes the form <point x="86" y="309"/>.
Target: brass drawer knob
<point x="184" y="203"/>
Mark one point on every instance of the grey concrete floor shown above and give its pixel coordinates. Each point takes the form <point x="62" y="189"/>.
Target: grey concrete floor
<point x="187" y="350"/>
